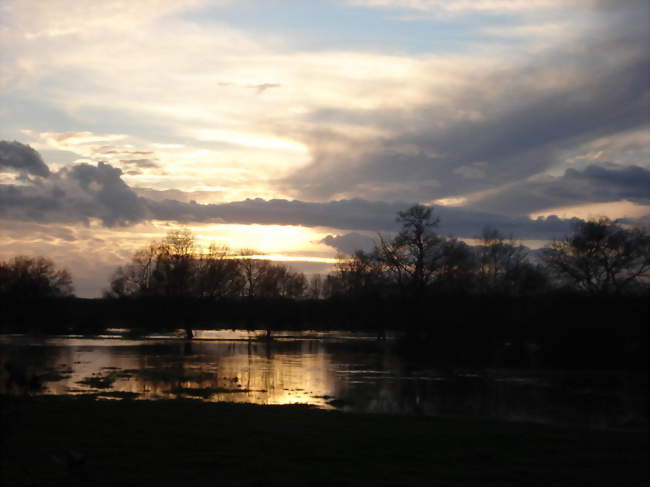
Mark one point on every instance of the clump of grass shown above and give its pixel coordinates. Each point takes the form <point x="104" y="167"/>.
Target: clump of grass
<point x="204" y="392"/>
<point x="92" y="395"/>
<point x="118" y="394"/>
<point x="98" y="381"/>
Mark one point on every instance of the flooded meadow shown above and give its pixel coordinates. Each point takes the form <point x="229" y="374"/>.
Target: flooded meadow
<point x="330" y="370"/>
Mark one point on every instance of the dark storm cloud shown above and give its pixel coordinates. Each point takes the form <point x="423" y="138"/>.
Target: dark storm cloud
<point x="594" y="184"/>
<point x="526" y="116"/>
<point x="22" y="158"/>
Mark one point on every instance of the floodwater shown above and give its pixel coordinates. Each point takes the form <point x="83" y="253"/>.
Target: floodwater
<point x="332" y="370"/>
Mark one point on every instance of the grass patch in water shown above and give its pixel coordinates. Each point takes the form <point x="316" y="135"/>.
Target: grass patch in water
<point x="108" y="395"/>
<point x="204" y="392"/>
<point x="98" y="381"/>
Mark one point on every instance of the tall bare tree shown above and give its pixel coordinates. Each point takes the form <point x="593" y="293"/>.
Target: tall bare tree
<point x="413" y="257"/>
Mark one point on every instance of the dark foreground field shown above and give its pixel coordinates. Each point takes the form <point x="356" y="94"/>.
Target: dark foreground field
<point x="62" y="440"/>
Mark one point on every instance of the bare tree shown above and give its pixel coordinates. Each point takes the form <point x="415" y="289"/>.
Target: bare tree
<point x="263" y="278"/>
<point x="253" y="270"/>
<point x="34" y="277"/>
<point x="175" y="269"/>
<point x="219" y="273"/>
<point x="163" y="269"/>
<point x="135" y="278"/>
<point x="500" y="261"/>
<point x="601" y="257"/>
<point x="456" y="266"/>
<point x="279" y="281"/>
<point x="356" y="276"/>
<point x="413" y="257"/>
<point x="315" y="287"/>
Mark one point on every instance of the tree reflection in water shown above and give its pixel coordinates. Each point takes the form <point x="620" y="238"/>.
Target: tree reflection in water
<point x="352" y="373"/>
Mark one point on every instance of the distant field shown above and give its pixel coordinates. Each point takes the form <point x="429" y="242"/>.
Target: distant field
<point x="62" y="440"/>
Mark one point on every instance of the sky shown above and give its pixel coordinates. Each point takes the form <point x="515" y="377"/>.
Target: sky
<point x="300" y="128"/>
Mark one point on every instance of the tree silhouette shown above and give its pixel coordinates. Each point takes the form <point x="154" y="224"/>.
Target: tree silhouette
<point x="414" y="255"/>
<point x="504" y="268"/>
<point x="33" y="278"/>
<point x="219" y="273"/>
<point x="175" y="273"/>
<point x="188" y="277"/>
<point x="601" y="257"/>
<point x="356" y="276"/>
<point x="457" y="267"/>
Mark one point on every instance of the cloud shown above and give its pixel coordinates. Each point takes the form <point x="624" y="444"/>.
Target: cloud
<point x="353" y="214"/>
<point x="430" y="115"/>
<point x="345" y="214"/>
<point x="83" y="192"/>
<point x="137" y="164"/>
<point x="348" y="243"/>
<point x="262" y="87"/>
<point x="115" y="149"/>
<point x="179" y="195"/>
<point x="60" y="18"/>
<point x="75" y="194"/>
<point x="378" y="127"/>
<point x="461" y="6"/>
<point x="519" y="116"/>
<point x="22" y="158"/>
<point x="594" y="184"/>
<point x="474" y="171"/>
<point x="520" y="130"/>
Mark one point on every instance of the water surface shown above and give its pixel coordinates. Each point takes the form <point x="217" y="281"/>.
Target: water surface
<point x="351" y="372"/>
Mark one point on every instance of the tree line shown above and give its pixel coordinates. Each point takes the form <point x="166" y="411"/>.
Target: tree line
<point x="176" y="268"/>
<point x="600" y="257"/>
<point x="439" y="292"/>
<point x="26" y="278"/>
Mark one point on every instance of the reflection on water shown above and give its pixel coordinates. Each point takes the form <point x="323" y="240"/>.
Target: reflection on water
<point x="327" y="369"/>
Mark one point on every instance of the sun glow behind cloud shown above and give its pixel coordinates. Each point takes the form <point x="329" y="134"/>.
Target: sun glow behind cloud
<point x="267" y="239"/>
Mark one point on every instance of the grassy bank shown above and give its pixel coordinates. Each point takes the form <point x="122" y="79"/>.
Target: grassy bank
<point x="64" y="440"/>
